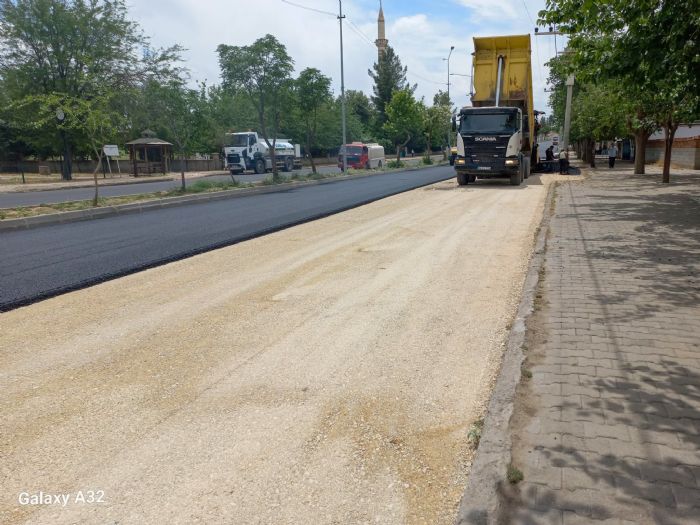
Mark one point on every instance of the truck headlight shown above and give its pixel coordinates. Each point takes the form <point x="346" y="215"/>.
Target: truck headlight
<point x="459" y="161"/>
<point x="512" y="162"/>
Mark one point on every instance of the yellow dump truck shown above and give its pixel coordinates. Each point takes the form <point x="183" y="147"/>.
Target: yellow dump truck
<point x="497" y="135"/>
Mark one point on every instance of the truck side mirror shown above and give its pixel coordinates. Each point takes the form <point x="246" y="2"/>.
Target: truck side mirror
<point x="454" y="123"/>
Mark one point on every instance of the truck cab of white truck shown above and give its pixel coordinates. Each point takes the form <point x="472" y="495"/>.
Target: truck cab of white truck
<point x="247" y="151"/>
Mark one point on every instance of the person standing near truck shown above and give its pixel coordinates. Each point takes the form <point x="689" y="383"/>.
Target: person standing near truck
<point x="563" y="162"/>
<point x="612" y="155"/>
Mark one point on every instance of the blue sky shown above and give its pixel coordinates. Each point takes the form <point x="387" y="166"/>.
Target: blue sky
<point x="421" y="31"/>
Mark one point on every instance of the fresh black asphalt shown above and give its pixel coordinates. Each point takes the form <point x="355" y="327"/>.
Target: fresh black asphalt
<point x="35" y="198"/>
<point x="50" y="260"/>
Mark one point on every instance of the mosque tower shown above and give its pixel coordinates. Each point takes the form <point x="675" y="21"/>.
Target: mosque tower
<point x="381" y="41"/>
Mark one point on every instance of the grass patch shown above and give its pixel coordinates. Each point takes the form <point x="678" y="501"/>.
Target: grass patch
<point x="393" y="164"/>
<point x="527" y="374"/>
<point x="514" y="475"/>
<point x="427" y="160"/>
<point x="474" y="433"/>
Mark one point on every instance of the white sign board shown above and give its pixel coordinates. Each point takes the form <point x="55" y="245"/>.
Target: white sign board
<point x="111" y="150"/>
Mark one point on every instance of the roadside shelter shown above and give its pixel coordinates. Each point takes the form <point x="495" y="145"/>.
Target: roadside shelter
<point x="149" y="154"/>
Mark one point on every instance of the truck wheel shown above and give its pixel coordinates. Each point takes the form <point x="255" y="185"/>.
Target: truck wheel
<point x="288" y="164"/>
<point x="260" y="166"/>
<point x="379" y="165"/>
<point x="471" y="179"/>
<point x="462" y="179"/>
<point x="367" y="166"/>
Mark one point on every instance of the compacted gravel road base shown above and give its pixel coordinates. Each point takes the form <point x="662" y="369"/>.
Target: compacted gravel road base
<point x="327" y="373"/>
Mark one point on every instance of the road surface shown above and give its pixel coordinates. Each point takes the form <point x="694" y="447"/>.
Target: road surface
<point x="326" y="373"/>
<point x="35" y="198"/>
<point x="49" y="260"/>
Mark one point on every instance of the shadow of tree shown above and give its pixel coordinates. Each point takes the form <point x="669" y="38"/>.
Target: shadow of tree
<point x="623" y="411"/>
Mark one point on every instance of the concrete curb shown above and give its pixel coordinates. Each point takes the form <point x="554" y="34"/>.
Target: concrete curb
<point x="168" y="202"/>
<point x="481" y="501"/>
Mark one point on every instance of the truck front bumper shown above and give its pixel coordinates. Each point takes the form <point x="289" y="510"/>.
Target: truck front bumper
<point x="497" y="169"/>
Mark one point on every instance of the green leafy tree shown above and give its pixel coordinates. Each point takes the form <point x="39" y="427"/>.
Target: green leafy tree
<point x="649" y="48"/>
<point x="436" y="120"/>
<point x="404" y="119"/>
<point x="179" y="112"/>
<point x="262" y="71"/>
<point x="389" y="75"/>
<point x="313" y="91"/>
<point x="79" y="49"/>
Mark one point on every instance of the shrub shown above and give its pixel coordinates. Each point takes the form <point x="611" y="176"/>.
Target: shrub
<point x="427" y="160"/>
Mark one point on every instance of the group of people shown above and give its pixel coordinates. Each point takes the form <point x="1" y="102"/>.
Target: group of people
<point x="563" y="160"/>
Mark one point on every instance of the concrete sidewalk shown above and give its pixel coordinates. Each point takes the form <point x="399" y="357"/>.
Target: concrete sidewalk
<point x="607" y="429"/>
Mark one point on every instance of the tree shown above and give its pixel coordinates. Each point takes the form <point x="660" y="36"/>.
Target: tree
<point x="649" y="48"/>
<point x="389" y="76"/>
<point x="404" y="119"/>
<point x="92" y="118"/>
<point x="359" y="105"/>
<point x="261" y="71"/>
<point x="179" y="111"/>
<point x="436" y="119"/>
<point x="76" y="48"/>
<point x="313" y="91"/>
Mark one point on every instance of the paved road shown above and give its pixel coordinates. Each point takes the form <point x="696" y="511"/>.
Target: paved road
<point x="327" y="373"/>
<point x="53" y="259"/>
<point x="34" y="198"/>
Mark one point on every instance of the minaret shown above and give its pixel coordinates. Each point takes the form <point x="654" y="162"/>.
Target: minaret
<point x="381" y="41"/>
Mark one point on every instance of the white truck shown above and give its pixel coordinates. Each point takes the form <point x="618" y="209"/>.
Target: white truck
<point x="248" y="151"/>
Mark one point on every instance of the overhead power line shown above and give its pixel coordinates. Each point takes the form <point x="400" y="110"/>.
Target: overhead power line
<point x="328" y="13"/>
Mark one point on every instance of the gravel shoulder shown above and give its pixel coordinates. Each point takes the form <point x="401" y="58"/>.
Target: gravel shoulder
<point x="327" y="373"/>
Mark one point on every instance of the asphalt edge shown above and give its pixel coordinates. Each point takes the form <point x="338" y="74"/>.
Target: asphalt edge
<point x="36" y="221"/>
<point x="481" y="501"/>
<point x="12" y="305"/>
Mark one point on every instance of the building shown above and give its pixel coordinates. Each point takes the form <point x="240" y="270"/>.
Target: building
<point x="381" y="42"/>
<point x="686" y="147"/>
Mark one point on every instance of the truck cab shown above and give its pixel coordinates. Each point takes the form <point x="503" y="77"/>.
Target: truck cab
<point x="488" y="141"/>
<point x="248" y="151"/>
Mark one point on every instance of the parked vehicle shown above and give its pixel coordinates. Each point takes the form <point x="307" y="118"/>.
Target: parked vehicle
<point x="497" y="135"/>
<point x="248" y="151"/>
<point x="362" y="156"/>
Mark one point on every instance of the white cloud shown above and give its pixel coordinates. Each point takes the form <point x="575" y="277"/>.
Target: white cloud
<point x="491" y="9"/>
<point x="422" y="40"/>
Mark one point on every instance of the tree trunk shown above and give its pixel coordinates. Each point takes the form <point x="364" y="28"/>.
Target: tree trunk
<point x="311" y="157"/>
<point x="398" y="154"/>
<point x="640" y="150"/>
<point x="669" y="133"/>
<point x="591" y="152"/>
<point x="94" y="178"/>
<point x="67" y="170"/>
<point x="182" y="170"/>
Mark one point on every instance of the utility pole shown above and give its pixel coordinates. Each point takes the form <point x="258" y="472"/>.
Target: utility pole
<point x="567" y="112"/>
<point x="342" y="88"/>
<point x="452" y="48"/>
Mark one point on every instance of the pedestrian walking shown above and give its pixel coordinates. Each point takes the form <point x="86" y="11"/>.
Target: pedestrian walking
<point x="612" y="155"/>
<point x="563" y="162"/>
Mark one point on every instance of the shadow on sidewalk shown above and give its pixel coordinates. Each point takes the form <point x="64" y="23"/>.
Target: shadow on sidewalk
<point x="624" y="430"/>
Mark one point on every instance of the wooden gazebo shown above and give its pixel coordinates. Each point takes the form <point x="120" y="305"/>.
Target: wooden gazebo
<point x="149" y="154"/>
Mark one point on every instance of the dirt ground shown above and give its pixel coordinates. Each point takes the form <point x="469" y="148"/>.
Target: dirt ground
<point x="328" y="373"/>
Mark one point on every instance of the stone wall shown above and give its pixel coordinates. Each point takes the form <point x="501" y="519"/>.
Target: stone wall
<point x="686" y="152"/>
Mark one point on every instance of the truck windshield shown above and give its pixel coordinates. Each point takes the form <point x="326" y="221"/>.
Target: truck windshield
<point x="238" y="141"/>
<point x="352" y="150"/>
<point x="505" y="123"/>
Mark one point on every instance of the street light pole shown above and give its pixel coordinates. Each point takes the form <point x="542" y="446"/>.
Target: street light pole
<point x="342" y="88"/>
<point x="452" y="48"/>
